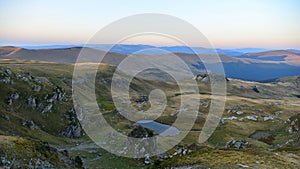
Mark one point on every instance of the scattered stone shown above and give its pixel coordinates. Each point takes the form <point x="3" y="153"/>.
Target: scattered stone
<point x="8" y="72"/>
<point x="222" y="121"/>
<point x="31" y="101"/>
<point x="230" y="118"/>
<point x="7" y="80"/>
<point x="37" y="88"/>
<point x="140" y="99"/>
<point x="278" y="113"/>
<point x="172" y="115"/>
<point x="78" y="162"/>
<point x="48" y="108"/>
<point x="5" y="162"/>
<point x="243" y="166"/>
<point x="30" y="124"/>
<point x="6" y="117"/>
<point x="147" y="160"/>
<point x="25" y="79"/>
<point x="293" y="124"/>
<point x="15" y="96"/>
<point x="236" y="144"/>
<point x="10" y="102"/>
<point x="267" y="118"/>
<point x="254" y="118"/>
<point x="200" y="76"/>
<point x="255" y="89"/>
<point x="73" y="131"/>
<point x="239" y="112"/>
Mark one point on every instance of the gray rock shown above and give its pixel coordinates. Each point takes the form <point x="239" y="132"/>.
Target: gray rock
<point x="25" y="79"/>
<point x="147" y="160"/>
<point x="244" y="166"/>
<point x="236" y="144"/>
<point x="9" y="101"/>
<point x="48" y="108"/>
<point x="230" y="118"/>
<point x="200" y="77"/>
<point x="30" y="124"/>
<point x="8" y="72"/>
<point x="37" y="88"/>
<point x="222" y="121"/>
<point x="15" y="96"/>
<point x="73" y="131"/>
<point x="31" y="101"/>
<point x="7" y="80"/>
<point x="239" y="112"/>
<point x="6" y="117"/>
<point x="254" y="118"/>
<point x="267" y="118"/>
<point x="255" y="89"/>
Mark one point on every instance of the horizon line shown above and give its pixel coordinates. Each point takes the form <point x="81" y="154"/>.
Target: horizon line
<point x="83" y="45"/>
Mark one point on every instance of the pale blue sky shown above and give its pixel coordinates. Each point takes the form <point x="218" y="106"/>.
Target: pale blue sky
<point x="226" y="23"/>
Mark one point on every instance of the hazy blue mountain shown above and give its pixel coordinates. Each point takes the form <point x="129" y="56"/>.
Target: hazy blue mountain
<point x="132" y="49"/>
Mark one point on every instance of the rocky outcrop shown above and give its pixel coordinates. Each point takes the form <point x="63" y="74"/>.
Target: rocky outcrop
<point x="237" y="144"/>
<point x="255" y="89"/>
<point x="253" y="118"/>
<point x="267" y="118"/>
<point x="12" y="97"/>
<point x="8" y="72"/>
<point x="140" y="99"/>
<point x="30" y="124"/>
<point x="227" y="118"/>
<point x="24" y="76"/>
<point x="200" y="76"/>
<point x="48" y="108"/>
<point x="239" y="112"/>
<point x="10" y="102"/>
<point x="31" y="101"/>
<point x="6" y="80"/>
<point x="293" y="124"/>
<point x="37" y="88"/>
<point x="6" y="117"/>
<point x="147" y="160"/>
<point x="15" y="96"/>
<point x="5" y="77"/>
<point x="57" y="95"/>
<point x="73" y="131"/>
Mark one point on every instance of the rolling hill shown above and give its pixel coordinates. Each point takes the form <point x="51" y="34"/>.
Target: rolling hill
<point x="254" y="67"/>
<point x="290" y="56"/>
<point x="39" y="128"/>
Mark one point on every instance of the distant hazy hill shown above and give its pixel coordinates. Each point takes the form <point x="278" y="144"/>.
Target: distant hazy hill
<point x="291" y="56"/>
<point x="255" y="69"/>
<point x="132" y="49"/>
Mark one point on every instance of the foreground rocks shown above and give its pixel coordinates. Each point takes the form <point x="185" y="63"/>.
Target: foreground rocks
<point x="239" y="144"/>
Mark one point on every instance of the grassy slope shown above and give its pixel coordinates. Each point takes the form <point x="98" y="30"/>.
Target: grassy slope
<point x="240" y="93"/>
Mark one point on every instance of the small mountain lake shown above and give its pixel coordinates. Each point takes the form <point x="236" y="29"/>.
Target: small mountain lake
<point x="161" y="129"/>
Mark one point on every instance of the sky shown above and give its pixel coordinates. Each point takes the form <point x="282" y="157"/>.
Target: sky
<point x="226" y="23"/>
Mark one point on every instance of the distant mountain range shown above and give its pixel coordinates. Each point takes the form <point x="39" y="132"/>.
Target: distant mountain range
<point x="131" y="49"/>
<point x="260" y="65"/>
